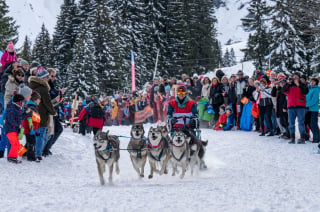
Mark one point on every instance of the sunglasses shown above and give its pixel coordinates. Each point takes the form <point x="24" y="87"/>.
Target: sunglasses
<point x="53" y="76"/>
<point x="20" y="75"/>
<point x="181" y="92"/>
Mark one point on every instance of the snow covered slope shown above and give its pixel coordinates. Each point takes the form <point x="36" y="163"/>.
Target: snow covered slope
<point x="229" y="21"/>
<point x="245" y="173"/>
<point x="31" y="14"/>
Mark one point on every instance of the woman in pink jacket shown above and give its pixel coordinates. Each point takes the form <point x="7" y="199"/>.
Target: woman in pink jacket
<point x="8" y="56"/>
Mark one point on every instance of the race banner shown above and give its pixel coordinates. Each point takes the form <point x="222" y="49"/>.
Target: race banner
<point x="141" y="116"/>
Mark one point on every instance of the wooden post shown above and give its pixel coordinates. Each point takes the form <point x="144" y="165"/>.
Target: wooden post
<point x="73" y="109"/>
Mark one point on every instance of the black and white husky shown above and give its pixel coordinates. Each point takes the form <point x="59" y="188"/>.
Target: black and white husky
<point x="180" y="152"/>
<point x="158" y="151"/>
<point x="137" y="148"/>
<point x="107" y="152"/>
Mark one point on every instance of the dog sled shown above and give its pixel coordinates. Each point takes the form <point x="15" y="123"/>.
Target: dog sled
<point x="188" y="127"/>
<point x="191" y="124"/>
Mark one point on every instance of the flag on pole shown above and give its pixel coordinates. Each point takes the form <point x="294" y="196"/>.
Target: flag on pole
<point x="133" y="74"/>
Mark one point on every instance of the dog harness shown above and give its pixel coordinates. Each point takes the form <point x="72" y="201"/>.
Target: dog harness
<point x="108" y="148"/>
<point x="150" y="146"/>
<point x="178" y="159"/>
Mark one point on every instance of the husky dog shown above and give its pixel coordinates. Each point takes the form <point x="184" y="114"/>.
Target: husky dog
<point x="180" y="152"/>
<point x="158" y="150"/>
<point x="137" y="148"/>
<point x="107" y="152"/>
<point x="197" y="151"/>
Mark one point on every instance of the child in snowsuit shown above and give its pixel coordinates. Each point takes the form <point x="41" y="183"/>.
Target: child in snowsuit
<point x="13" y="128"/>
<point x="231" y="119"/>
<point x="31" y="124"/>
<point x="222" y="119"/>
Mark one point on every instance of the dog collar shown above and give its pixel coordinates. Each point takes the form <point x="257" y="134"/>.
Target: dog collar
<point x="151" y="146"/>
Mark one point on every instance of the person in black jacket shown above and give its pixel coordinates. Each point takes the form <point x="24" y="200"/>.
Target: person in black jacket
<point x="281" y="108"/>
<point x="216" y="97"/>
<point x="248" y="91"/>
<point x="233" y="93"/>
<point x="56" y="96"/>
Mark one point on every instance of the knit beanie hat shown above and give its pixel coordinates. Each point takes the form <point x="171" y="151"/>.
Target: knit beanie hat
<point x="167" y="88"/>
<point x="42" y="74"/>
<point x="10" y="45"/>
<point x="34" y="66"/>
<point x="35" y="95"/>
<point x="223" y="107"/>
<point x="24" y="91"/>
<point x="23" y="62"/>
<point x="229" y="108"/>
<point x="182" y="87"/>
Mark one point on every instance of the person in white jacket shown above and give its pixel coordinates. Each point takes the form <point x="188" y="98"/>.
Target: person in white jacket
<point x="264" y="99"/>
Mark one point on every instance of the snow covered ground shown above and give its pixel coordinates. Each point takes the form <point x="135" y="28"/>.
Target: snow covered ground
<point x="245" y="173"/>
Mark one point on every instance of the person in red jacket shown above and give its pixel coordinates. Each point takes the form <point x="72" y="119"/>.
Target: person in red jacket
<point x="96" y="115"/>
<point x="222" y="119"/>
<point x="180" y="107"/>
<point x="296" y="94"/>
<point x="31" y="124"/>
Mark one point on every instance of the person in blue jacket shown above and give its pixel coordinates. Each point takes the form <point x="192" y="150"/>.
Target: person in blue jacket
<point x="231" y="119"/>
<point x="313" y="105"/>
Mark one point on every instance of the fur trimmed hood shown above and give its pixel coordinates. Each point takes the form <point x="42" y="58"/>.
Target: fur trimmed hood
<point x="39" y="81"/>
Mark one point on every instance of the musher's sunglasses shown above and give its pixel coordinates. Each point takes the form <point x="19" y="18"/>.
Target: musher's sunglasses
<point x="180" y="91"/>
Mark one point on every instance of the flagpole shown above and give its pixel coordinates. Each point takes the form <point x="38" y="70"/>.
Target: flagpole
<point x="133" y="74"/>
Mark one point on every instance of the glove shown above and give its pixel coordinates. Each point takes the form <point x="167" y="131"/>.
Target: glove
<point x="220" y="125"/>
<point x="32" y="132"/>
<point x="30" y="123"/>
<point x="20" y="135"/>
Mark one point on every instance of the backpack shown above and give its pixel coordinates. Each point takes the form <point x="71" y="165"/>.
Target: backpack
<point x="95" y="111"/>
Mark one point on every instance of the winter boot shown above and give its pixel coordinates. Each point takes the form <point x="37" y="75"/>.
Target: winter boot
<point x="285" y="136"/>
<point x="307" y="137"/>
<point x="278" y="132"/>
<point x="14" y="160"/>
<point x="293" y="140"/>
<point x="38" y="159"/>
<point x="302" y="140"/>
<point x="1" y="154"/>
<point x="262" y="134"/>
<point x="271" y="133"/>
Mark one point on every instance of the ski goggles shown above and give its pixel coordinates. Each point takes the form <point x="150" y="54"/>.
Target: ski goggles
<point x="181" y="91"/>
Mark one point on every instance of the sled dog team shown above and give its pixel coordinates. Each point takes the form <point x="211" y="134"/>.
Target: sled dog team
<point x="182" y="150"/>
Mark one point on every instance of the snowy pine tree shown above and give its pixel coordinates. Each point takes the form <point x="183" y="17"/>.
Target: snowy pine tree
<point x="64" y="37"/>
<point x="8" y="27"/>
<point x="177" y="37"/>
<point x="259" y="38"/>
<point x="81" y="76"/>
<point x="105" y="40"/>
<point x="233" y="60"/>
<point x="226" y="59"/>
<point x="42" y="48"/>
<point x="288" y="51"/>
<point x="26" y="50"/>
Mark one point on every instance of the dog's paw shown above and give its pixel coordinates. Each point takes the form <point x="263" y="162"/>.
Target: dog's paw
<point x="165" y="172"/>
<point x="150" y="176"/>
<point x="142" y="175"/>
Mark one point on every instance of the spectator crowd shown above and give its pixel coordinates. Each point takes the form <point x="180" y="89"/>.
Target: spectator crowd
<point x="33" y="107"/>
